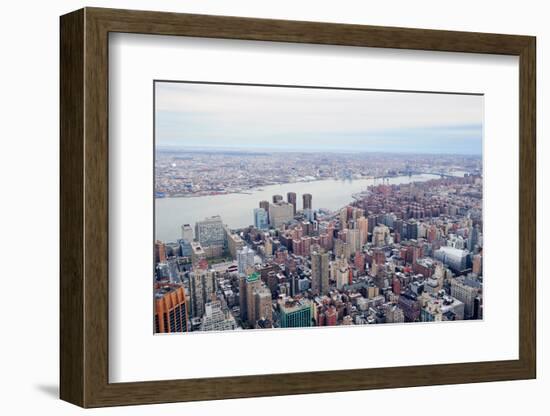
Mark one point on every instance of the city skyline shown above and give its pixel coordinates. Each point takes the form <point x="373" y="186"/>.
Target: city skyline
<point x="225" y="117"/>
<point x="292" y="207"/>
<point x="421" y="261"/>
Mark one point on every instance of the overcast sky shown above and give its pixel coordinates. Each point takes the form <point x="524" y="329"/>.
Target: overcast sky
<point x="305" y="119"/>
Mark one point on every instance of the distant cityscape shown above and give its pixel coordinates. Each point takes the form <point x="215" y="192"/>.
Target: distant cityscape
<point x="392" y="253"/>
<point x="196" y="172"/>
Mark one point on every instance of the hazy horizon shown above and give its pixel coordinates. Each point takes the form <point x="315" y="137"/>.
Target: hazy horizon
<point x="197" y="149"/>
<point x="259" y="118"/>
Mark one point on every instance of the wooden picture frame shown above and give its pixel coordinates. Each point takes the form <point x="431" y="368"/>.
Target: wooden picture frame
<point x="84" y="207"/>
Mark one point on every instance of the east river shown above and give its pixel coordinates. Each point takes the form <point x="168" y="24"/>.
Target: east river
<point x="236" y="210"/>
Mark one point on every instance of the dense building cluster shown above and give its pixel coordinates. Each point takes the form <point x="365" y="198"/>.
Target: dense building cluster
<point x="192" y="173"/>
<point x="394" y="254"/>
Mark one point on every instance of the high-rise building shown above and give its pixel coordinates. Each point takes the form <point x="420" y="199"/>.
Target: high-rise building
<point x="217" y="318"/>
<point x="380" y="235"/>
<point x="210" y="232"/>
<point x="203" y="286"/>
<point x="263" y="308"/>
<point x="477" y="265"/>
<point x="378" y="256"/>
<point x="162" y="272"/>
<point x="342" y="276"/>
<point x="160" y="252"/>
<point x="412" y="230"/>
<point x="261" y="219"/>
<point x="359" y="262"/>
<point x="306" y="200"/>
<point x="268" y="247"/>
<point x="320" y="272"/>
<point x="396" y="285"/>
<point x="265" y="205"/>
<point x="253" y="283"/>
<point x="342" y="248"/>
<point x="280" y="213"/>
<point x="242" y="297"/>
<point x="197" y="253"/>
<point x="324" y="242"/>
<point x="187" y="232"/>
<point x="245" y="259"/>
<point x="298" y="247"/>
<point x="170" y="309"/>
<point x="455" y="258"/>
<point x="432" y="233"/>
<point x="343" y="218"/>
<point x="363" y="226"/>
<point x="185" y="247"/>
<point x="466" y="291"/>
<point x="295" y="313"/>
<point x="474" y="239"/>
<point x="291" y="199"/>
<point x="234" y="242"/>
<point x="277" y="198"/>
<point x="354" y="240"/>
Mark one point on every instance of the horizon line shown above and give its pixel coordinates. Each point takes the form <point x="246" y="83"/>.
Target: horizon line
<point x="165" y="147"/>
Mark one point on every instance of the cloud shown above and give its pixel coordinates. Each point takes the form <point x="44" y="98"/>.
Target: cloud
<point x="211" y="115"/>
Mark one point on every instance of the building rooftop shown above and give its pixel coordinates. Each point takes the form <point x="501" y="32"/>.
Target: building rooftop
<point x="253" y="277"/>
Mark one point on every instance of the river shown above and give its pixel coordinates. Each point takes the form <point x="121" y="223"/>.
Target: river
<point x="236" y="210"/>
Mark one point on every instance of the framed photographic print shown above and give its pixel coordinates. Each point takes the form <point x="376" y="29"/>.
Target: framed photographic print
<point x="255" y="207"/>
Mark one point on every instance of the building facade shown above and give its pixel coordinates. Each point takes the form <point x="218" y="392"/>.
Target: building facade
<point x="319" y="272"/>
<point x="210" y="232"/>
<point x="170" y="309"/>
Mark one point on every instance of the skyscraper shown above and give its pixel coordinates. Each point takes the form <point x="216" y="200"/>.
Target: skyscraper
<point x="363" y="226"/>
<point x="187" y="232"/>
<point x="185" y="247"/>
<point x="412" y="230"/>
<point x="253" y="283"/>
<point x="306" y="198"/>
<point x="203" y="286"/>
<point x="291" y="199"/>
<point x="245" y="259"/>
<point x="343" y="218"/>
<point x="473" y="241"/>
<point x="477" y="264"/>
<point x="359" y="263"/>
<point x="319" y="272"/>
<point x="466" y="291"/>
<point x="209" y="232"/>
<point x="160" y="252"/>
<point x="342" y="276"/>
<point x="265" y="205"/>
<point x="380" y="235"/>
<point x="277" y="198"/>
<point x="260" y="219"/>
<point x="280" y="213"/>
<point x="295" y="313"/>
<point x="263" y="308"/>
<point x="233" y="242"/>
<point x="170" y="309"/>
<point x="353" y="238"/>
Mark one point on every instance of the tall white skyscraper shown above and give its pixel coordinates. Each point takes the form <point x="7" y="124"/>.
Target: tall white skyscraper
<point x="187" y="232"/>
<point x="245" y="259"/>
